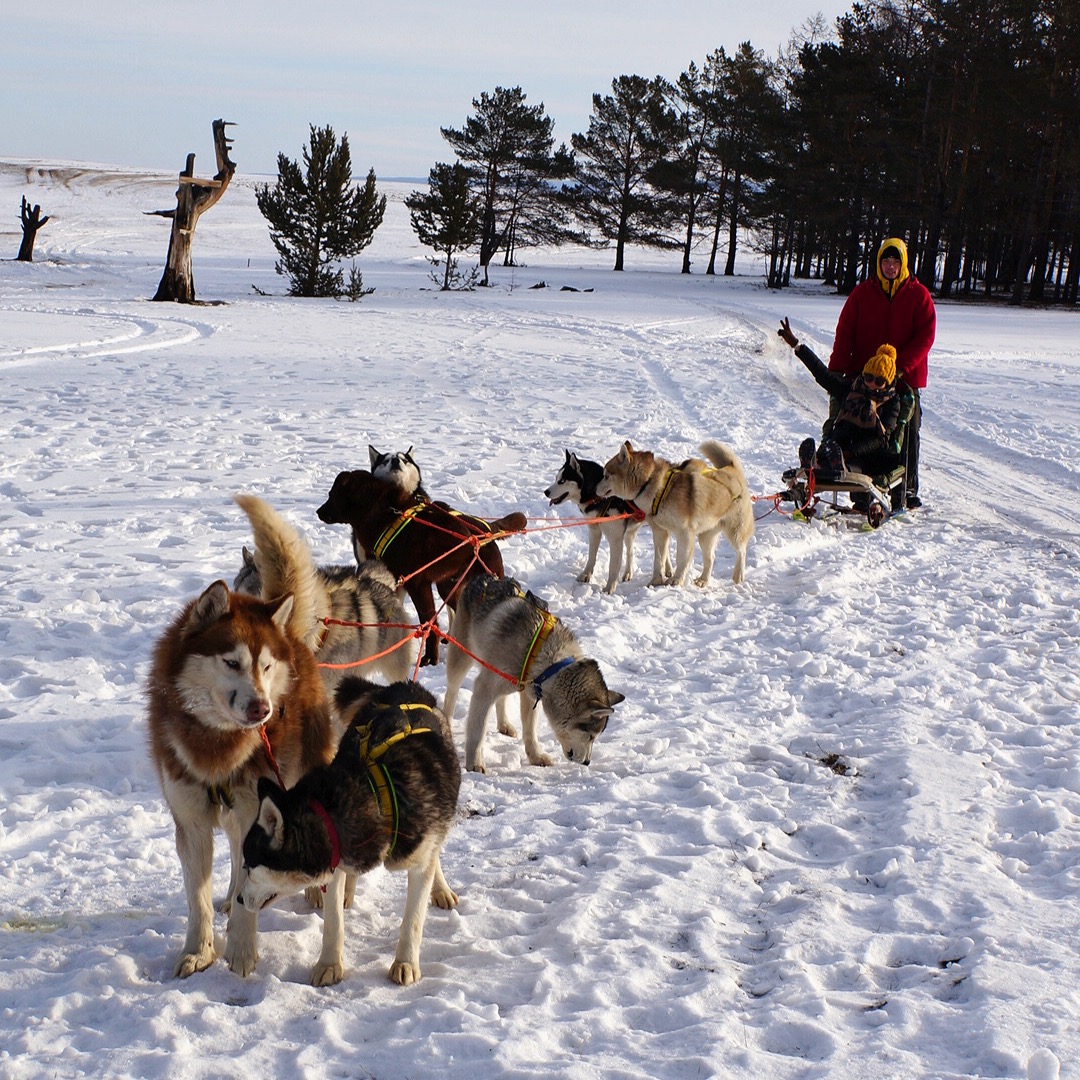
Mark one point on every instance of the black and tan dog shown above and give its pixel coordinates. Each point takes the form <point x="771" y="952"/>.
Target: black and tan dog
<point x="389" y="797"/>
<point x="425" y="544"/>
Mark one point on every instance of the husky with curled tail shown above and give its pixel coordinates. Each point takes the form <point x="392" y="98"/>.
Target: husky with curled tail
<point x="352" y="617"/>
<point x="696" y="498"/>
<point x="233" y="694"/>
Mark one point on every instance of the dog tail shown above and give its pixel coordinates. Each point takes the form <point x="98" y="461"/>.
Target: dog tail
<point x="512" y="523"/>
<point x="720" y="455"/>
<point x="286" y="566"/>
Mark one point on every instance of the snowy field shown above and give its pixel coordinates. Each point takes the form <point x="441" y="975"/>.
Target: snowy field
<point x="834" y="830"/>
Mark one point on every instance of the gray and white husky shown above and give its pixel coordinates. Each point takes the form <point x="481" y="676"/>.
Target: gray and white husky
<point x="577" y="480"/>
<point x="364" y="598"/>
<point x="537" y="656"/>
<point x="388" y="798"/>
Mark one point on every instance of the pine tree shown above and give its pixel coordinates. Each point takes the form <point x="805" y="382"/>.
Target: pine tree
<point x="317" y="216"/>
<point x="629" y="131"/>
<point x="507" y="147"/>
<point x="447" y="216"/>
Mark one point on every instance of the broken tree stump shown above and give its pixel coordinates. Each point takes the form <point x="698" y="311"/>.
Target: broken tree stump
<point x="31" y="222"/>
<point x="193" y="198"/>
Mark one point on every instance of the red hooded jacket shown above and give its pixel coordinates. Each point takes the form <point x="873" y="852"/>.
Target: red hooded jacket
<point x="881" y="312"/>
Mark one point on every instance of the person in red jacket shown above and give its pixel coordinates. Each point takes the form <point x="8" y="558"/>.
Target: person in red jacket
<point x="890" y="307"/>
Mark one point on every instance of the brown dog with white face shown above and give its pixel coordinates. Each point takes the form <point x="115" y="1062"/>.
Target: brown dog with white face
<point x="426" y="545"/>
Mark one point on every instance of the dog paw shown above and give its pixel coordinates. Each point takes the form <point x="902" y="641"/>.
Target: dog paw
<point x="444" y="898"/>
<point x="327" y="974"/>
<point x="540" y="759"/>
<point x="242" y="960"/>
<point x="191" y="962"/>
<point x="506" y="728"/>
<point x="404" y="973"/>
<point x="350" y="889"/>
<point x="477" y="766"/>
<point x="314" y="895"/>
<point x="609" y="589"/>
<point x="584" y="575"/>
<point x="701" y="582"/>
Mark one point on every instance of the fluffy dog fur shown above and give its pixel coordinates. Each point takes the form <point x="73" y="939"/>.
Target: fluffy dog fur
<point x="498" y="623"/>
<point x="333" y="819"/>
<point x="422" y="543"/>
<point x="365" y="597"/>
<point x="228" y="666"/>
<point x="577" y="480"/>
<point x="693" y="499"/>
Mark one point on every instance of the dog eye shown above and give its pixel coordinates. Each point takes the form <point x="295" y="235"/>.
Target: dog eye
<point x="232" y="665"/>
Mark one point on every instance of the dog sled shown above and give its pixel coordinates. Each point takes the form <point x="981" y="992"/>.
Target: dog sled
<point x="816" y="491"/>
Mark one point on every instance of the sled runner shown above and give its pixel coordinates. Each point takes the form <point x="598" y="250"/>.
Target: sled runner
<point x="874" y="498"/>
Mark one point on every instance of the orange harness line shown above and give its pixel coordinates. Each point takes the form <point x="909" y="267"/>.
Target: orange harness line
<point x="270" y="754"/>
<point x="422" y="630"/>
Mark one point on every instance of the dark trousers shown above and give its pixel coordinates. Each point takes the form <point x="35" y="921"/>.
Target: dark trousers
<point x="912" y="441"/>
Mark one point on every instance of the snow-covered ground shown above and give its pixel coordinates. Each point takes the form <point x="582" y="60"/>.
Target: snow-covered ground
<point x="834" y="830"/>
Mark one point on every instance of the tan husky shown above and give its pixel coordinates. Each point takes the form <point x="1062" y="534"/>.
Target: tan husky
<point x="693" y="499"/>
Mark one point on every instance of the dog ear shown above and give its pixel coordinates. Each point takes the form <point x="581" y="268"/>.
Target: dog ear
<point x="626" y="450"/>
<point x="270" y="819"/>
<point x="281" y="609"/>
<point x="247" y="556"/>
<point x="373" y="454"/>
<point x="572" y="460"/>
<point x="614" y="697"/>
<point x="210" y="607"/>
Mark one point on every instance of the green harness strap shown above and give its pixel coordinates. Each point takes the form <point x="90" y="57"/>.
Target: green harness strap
<point x="382" y="784"/>
<point x="393" y="530"/>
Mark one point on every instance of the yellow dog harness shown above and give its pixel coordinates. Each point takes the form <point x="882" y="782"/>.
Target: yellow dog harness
<point x="379" y="778"/>
<point x="394" y="529"/>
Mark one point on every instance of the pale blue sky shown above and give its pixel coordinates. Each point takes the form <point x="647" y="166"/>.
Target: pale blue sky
<point x="138" y="84"/>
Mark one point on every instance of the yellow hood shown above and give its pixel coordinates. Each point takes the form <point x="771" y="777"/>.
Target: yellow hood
<point x="891" y="286"/>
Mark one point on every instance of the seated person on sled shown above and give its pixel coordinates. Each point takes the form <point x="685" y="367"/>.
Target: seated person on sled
<point x="868" y="413"/>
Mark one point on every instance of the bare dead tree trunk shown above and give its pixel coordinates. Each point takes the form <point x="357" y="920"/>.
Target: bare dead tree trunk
<point x="193" y="198"/>
<point x="31" y="222"/>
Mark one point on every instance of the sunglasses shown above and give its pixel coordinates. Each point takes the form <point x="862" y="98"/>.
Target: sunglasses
<point x="875" y="380"/>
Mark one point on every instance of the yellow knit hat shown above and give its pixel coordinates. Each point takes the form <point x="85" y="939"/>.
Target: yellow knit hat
<point x="882" y="363"/>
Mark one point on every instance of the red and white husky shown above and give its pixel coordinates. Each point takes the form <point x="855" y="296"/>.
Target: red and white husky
<point x="229" y="672"/>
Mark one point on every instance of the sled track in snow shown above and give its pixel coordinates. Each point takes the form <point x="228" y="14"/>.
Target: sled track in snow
<point x="103" y="334"/>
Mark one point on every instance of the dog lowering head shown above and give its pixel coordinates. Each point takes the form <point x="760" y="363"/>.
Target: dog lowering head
<point x="578" y="704"/>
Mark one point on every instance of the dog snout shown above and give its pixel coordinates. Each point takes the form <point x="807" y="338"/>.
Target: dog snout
<point x="258" y="711"/>
<point x="323" y="513"/>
